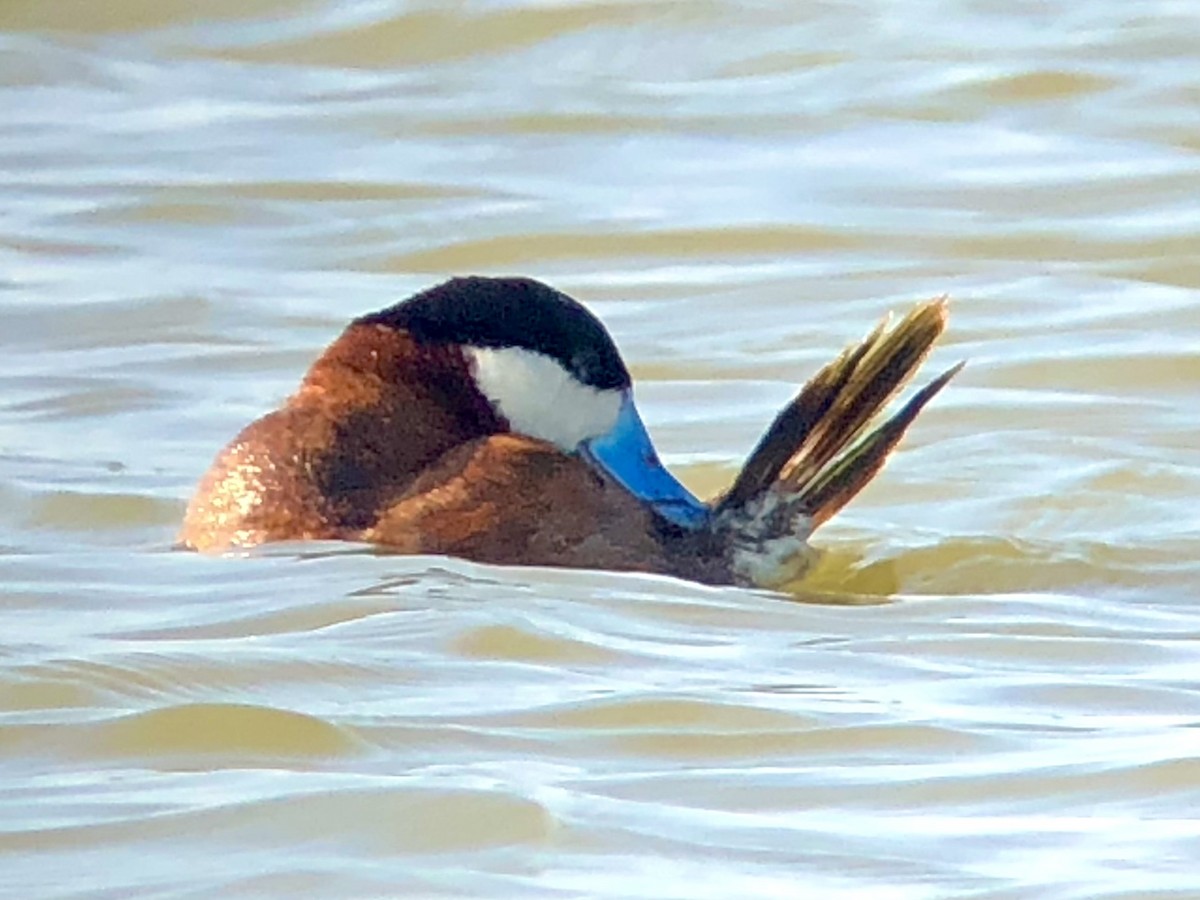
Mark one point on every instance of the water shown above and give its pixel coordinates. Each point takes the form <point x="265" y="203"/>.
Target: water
<point x="993" y="690"/>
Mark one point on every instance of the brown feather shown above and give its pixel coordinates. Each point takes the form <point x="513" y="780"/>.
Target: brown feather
<point x="815" y="451"/>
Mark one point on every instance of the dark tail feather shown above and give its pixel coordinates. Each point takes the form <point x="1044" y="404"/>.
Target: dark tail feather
<point x="815" y="451"/>
<point x="839" y="483"/>
<point x="793" y="425"/>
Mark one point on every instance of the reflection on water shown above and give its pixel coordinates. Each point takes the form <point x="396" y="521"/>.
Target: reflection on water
<point x="990" y="688"/>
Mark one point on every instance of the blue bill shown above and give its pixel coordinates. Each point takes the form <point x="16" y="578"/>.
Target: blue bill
<point x="626" y="453"/>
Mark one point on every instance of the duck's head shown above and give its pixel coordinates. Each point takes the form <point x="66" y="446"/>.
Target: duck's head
<point x="548" y="369"/>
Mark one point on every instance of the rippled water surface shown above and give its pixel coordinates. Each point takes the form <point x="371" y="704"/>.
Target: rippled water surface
<point x="997" y="691"/>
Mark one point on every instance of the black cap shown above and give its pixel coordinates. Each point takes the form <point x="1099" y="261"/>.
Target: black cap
<point x="511" y="312"/>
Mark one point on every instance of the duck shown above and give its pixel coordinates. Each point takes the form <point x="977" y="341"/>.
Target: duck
<point x="493" y="419"/>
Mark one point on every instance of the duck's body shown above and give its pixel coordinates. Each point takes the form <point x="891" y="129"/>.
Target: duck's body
<point x="490" y="419"/>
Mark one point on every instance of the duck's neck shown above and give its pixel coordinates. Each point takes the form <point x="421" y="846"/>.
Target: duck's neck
<point x="398" y="407"/>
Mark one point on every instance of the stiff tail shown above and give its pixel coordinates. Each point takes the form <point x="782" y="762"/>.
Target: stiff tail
<point x="819" y="452"/>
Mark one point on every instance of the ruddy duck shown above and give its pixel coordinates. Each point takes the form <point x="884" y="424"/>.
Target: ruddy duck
<point x="493" y="419"/>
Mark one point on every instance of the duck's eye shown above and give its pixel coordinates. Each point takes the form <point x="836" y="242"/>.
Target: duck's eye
<point x="585" y="365"/>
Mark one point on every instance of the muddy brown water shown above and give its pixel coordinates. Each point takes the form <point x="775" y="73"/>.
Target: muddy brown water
<point x="993" y="688"/>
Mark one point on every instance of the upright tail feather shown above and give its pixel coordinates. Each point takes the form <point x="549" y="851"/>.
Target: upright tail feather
<point x="838" y="483"/>
<point x="818" y="453"/>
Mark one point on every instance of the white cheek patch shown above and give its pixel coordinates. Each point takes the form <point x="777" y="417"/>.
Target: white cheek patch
<point x="540" y="398"/>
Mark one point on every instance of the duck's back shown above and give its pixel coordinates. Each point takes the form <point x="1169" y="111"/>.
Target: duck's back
<point x="261" y="487"/>
<point x="296" y="474"/>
